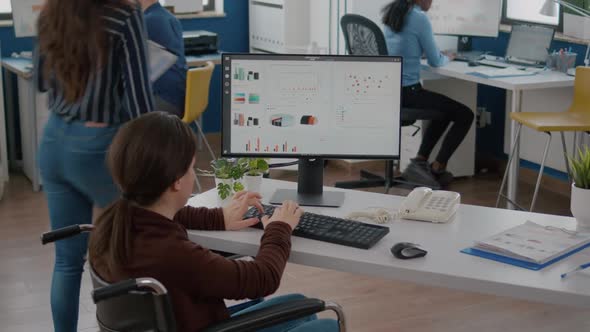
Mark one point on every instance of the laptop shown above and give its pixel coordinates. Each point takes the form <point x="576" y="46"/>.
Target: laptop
<point x="529" y="45"/>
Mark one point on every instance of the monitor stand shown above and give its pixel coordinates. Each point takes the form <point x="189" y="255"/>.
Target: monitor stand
<point x="464" y="44"/>
<point x="310" y="187"/>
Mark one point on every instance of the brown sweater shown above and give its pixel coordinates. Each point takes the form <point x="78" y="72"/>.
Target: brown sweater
<point x="197" y="279"/>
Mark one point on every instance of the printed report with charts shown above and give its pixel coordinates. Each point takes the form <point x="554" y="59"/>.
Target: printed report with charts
<point x="533" y="243"/>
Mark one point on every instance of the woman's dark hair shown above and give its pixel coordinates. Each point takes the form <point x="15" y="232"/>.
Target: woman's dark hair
<point x="395" y="13"/>
<point x="146" y="157"/>
<point x="73" y="41"/>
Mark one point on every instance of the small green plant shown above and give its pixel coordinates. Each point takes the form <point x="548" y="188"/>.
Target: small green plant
<point x="227" y="169"/>
<point x="581" y="168"/>
<point x="254" y="166"/>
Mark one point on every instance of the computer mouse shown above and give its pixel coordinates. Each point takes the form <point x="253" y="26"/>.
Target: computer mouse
<point x="473" y="63"/>
<point x="406" y="250"/>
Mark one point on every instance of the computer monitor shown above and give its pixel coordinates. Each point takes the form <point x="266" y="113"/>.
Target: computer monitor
<point x="466" y="17"/>
<point x="311" y="107"/>
<point x="530" y="11"/>
<point x="24" y="16"/>
<point x="529" y="43"/>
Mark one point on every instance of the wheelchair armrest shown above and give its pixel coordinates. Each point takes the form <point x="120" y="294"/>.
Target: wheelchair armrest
<point x="266" y="317"/>
<point x="126" y="286"/>
<point x="63" y="233"/>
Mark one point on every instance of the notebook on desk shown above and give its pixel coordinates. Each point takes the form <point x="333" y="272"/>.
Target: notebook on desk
<point x="504" y="72"/>
<point x="530" y="245"/>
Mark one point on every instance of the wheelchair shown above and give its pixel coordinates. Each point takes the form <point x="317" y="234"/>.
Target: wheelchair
<point x="143" y="304"/>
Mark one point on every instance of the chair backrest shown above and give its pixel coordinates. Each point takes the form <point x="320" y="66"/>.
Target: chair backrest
<point x="362" y="36"/>
<point x="198" y="81"/>
<point x="581" y="101"/>
<point x="134" y="311"/>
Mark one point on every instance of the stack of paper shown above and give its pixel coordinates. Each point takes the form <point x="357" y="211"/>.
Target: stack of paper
<point x="160" y="60"/>
<point x="533" y="243"/>
<point x="504" y="72"/>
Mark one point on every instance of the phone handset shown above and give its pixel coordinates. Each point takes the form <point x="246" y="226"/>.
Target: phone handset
<point x="415" y="199"/>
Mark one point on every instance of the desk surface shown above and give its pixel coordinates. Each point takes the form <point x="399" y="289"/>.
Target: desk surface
<point x="24" y="67"/>
<point x="20" y="66"/>
<point x="199" y="60"/>
<point x="543" y="80"/>
<point x="444" y="265"/>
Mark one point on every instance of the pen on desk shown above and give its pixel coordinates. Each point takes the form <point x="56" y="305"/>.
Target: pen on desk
<point x="579" y="268"/>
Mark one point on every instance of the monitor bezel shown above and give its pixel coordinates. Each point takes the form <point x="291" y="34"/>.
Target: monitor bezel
<point x="467" y="34"/>
<point x="226" y="116"/>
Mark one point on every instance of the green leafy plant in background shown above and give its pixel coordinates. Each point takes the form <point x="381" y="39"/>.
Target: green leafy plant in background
<point x="226" y="169"/>
<point x="580" y="168"/>
<point x="254" y="166"/>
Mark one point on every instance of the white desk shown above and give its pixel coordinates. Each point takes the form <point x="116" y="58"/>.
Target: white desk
<point x="33" y="115"/>
<point x="3" y="141"/>
<point x="200" y="60"/>
<point x="544" y="80"/>
<point x="444" y="265"/>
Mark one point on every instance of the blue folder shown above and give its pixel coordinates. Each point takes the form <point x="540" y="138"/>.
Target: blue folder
<point x="518" y="262"/>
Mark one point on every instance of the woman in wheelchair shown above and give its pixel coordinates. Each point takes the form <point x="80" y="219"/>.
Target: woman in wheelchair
<point x="144" y="233"/>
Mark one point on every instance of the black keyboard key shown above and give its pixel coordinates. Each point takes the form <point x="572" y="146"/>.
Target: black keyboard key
<point x="330" y="229"/>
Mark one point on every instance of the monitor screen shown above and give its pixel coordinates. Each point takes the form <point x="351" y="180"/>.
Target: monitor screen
<point x="530" y="11"/>
<point x="529" y="42"/>
<point x="466" y="17"/>
<point x="24" y="16"/>
<point x="301" y="106"/>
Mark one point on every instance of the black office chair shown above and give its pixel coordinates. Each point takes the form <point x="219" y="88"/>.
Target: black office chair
<point x="143" y="304"/>
<point x="364" y="37"/>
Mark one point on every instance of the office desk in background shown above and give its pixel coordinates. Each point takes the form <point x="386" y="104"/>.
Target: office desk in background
<point x="200" y="60"/>
<point x="516" y="86"/>
<point x="444" y="266"/>
<point x="33" y="111"/>
<point x="33" y="114"/>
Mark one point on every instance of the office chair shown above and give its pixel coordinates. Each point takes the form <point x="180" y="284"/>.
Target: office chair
<point x="143" y="304"/>
<point x="575" y="119"/>
<point x="195" y="103"/>
<point x="364" y="37"/>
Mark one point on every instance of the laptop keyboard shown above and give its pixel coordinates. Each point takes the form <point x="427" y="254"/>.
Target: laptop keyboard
<point x="330" y="229"/>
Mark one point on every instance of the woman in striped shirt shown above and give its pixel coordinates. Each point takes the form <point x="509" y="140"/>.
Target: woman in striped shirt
<point x="92" y="61"/>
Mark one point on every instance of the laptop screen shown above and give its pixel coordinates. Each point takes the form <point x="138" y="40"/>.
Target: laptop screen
<point x="529" y="42"/>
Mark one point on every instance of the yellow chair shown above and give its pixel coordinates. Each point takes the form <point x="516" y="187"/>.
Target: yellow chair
<point x="576" y="119"/>
<point x="198" y="81"/>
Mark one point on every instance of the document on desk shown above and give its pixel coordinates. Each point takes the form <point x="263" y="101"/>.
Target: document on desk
<point x="160" y="60"/>
<point x="534" y="243"/>
<point x="505" y="72"/>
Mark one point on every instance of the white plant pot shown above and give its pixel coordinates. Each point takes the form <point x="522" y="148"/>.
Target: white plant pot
<point x="253" y="182"/>
<point x="580" y="206"/>
<point x="220" y="201"/>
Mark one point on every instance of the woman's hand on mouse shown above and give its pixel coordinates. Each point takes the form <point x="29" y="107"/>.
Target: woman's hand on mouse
<point x="235" y="210"/>
<point x="290" y="213"/>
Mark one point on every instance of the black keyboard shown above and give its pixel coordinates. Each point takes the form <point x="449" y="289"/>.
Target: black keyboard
<point x="330" y="229"/>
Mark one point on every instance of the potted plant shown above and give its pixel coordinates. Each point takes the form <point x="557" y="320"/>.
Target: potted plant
<point x="228" y="173"/>
<point x="581" y="188"/>
<point x="255" y="169"/>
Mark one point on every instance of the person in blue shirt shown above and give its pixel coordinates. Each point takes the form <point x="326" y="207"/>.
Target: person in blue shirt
<point x="408" y="33"/>
<point x="164" y="28"/>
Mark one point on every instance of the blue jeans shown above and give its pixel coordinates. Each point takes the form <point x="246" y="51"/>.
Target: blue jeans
<point x="307" y="324"/>
<point x="75" y="178"/>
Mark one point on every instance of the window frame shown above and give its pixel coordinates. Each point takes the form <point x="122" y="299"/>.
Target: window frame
<point x="509" y="21"/>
